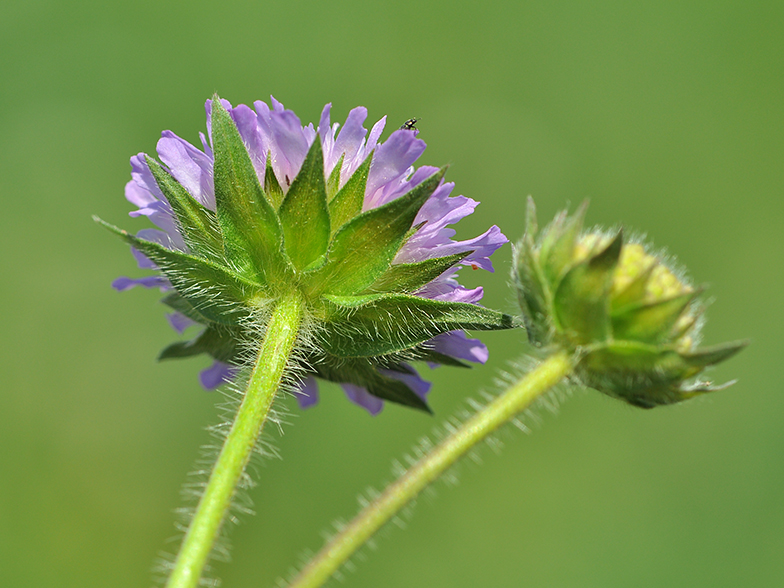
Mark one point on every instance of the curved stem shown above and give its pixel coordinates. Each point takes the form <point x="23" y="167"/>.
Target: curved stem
<point x="511" y="402"/>
<point x="265" y="378"/>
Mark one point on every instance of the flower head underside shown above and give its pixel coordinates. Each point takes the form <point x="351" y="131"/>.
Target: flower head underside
<point x="268" y="206"/>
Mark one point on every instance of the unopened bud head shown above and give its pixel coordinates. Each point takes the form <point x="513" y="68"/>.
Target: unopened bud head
<point x="632" y="320"/>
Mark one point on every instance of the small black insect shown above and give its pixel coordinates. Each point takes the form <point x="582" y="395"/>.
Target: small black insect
<point x="409" y="125"/>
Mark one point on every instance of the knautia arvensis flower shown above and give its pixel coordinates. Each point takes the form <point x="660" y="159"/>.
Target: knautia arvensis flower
<point x="270" y="208"/>
<point x="632" y="320"/>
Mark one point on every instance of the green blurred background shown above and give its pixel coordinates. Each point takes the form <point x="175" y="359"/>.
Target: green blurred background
<point x="667" y="115"/>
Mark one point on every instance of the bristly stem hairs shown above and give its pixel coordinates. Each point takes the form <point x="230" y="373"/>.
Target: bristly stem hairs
<point x="601" y="313"/>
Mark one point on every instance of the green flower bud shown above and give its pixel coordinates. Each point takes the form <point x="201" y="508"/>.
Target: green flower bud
<point x="631" y="319"/>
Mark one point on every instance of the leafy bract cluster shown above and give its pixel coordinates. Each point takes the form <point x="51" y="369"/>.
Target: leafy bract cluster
<point x="631" y="320"/>
<point x="316" y="239"/>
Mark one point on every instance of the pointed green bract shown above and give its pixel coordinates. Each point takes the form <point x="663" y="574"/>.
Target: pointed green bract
<point x="347" y="203"/>
<point x="647" y="375"/>
<point x="634" y="291"/>
<point x="271" y="185"/>
<point x="533" y="291"/>
<point x="431" y="356"/>
<point x="363" y="249"/>
<point x="531" y="223"/>
<point x="366" y="375"/>
<point x="582" y="304"/>
<point x="199" y="226"/>
<point x="703" y="358"/>
<point x="176" y="302"/>
<point x="409" y="277"/>
<point x="559" y="256"/>
<point x="303" y="213"/>
<point x="213" y="291"/>
<point x="333" y="182"/>
<point x="550" y="236"/>
<point x="625" y="356"/>
<point x="688" y="322"/>
<point x="653" y="322"/>
<point x="349" y="302"/>
<point x="219" y="343"/>
<point x="248" y="222"/>
<point x="365" y="326"/>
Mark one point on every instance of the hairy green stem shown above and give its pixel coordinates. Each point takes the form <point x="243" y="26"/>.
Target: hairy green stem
<point x="502" y="409"/>
<point x="270" y="366"/>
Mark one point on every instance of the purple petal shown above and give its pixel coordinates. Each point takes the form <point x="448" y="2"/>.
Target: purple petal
<point x="264" y="125"/>
<point x="179" y="321"/>
<point x="285" y="138"/>
<point x="141" y="174"/>
<point x="327" y="133"/>
<point x="189" y="166"/>
<point x="292" y="146"/>
<point x="407" y="182"/>
<point x="441" y="210"/>
<point x="137" y="195"/>
<point x="438" y="212"/>
<point x="456" y="344"/>
<point x="324" y="124"/>
<point x="419" y="176"/>
<point x="142" y="261"/>
<point x="307" y="395"/>
<point x="440" y="245"/>
<point x="263" y="116"/>
<point x="159" y="212"/>
<point x="205" y="145"/>
<point x="349" y="143"/>
<point x="327" y="139"/>
<point x="331" y="157"/>
<point x="484" y="246"/>
<point x="215" y="375"/>
<point x="375" y="134"/>
<point x="451" y="291"/>
<point x="434" y="239"/>
<point x="161" y="215"/>
<point x="363" y="398"/>
<point x="391" y="161"/>
<point x="309" y="133"/>
<point x="412" y="380"/>
<point x="123" y="283"/>
<point x="248" y="126"/>
<point x="155" y="236"/>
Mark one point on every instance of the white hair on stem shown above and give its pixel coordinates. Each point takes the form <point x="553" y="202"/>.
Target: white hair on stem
<point x="525" y="422"/>
<point x="254" y="326"/>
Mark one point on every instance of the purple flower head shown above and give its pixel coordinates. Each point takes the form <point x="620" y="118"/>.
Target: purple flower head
<point x="378" y="250"/>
